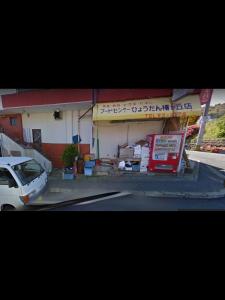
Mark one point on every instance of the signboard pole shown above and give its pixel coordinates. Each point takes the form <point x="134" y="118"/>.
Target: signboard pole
<point x="183" y="145"/>
<point x="1" y="145"/>
<point x="203" y="123"/>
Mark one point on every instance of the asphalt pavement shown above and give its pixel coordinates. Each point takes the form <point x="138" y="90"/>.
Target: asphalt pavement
<point x="215" y="160"/>
<point x="143" y="203"/>
<point x="137" y="192"/>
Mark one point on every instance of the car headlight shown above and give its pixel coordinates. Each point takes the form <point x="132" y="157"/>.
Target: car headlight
<point x="26" y="198"/>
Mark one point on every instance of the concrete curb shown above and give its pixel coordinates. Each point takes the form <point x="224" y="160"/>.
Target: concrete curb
<point x="188" y="195"/>
<point x="60" y="190"/>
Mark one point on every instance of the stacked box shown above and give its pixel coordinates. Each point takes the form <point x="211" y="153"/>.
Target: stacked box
<point x="126" y="153"/>
<point x="145" y="152"/>
<point x="144" y="159"/>
<point x="143" y="170"/>
<point x="137" y="151"/>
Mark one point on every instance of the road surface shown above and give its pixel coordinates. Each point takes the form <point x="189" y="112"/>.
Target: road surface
<point x="213" y="159"/>
<point x="135" y="202"/>
<point x="144" y="203"/>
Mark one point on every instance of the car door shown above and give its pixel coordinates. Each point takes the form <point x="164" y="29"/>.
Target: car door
<point x="8" y="195"/>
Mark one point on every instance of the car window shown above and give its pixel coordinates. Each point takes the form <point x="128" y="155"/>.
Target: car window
<point x="5" y="175"/>
<point x="28" y="171"/>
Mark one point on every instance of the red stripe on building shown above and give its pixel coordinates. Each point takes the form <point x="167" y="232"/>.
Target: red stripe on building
<point x="108" y="95"/>
<point x="47" y="97"/>
<point x="43" y="97"/>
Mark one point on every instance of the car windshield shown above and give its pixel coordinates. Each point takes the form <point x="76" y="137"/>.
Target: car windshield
<point x="28" y="171"/>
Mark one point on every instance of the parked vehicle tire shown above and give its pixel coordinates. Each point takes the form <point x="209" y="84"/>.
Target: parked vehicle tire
<point x="8" y="207"/>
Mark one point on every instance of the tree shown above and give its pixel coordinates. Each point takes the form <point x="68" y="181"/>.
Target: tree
<point x="221" y="127"/>
<point x="69" y="155"/>
<point x="215" y="129"/>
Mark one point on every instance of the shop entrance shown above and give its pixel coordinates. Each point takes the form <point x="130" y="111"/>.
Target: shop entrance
<point x="111" y="135"/>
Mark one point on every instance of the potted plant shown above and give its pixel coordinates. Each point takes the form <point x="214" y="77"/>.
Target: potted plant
<point x="68" y="157"/>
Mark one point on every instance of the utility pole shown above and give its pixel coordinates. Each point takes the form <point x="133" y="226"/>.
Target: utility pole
<point x="203" y="123"/>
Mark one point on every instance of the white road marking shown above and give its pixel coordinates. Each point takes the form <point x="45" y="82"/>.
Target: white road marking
<point x="105" y="198"/>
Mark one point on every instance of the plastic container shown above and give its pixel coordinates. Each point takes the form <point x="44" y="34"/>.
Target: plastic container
<point x="136" y="168"/>
<point x="89" y="164"/>
<point x="87" y="157"/>
<point x="67" y="176"/>
<point x="88" y="171"/>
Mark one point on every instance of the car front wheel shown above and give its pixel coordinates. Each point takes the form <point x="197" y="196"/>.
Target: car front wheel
<point x="8" y="207"/>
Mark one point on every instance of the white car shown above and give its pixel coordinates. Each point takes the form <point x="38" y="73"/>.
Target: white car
<point x="22" y="180"/>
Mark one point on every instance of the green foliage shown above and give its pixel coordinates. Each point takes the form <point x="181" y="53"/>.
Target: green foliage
<point x="221" y="127"/>
<point x="215" y="129"/>
<point x="192" y="139"/>
<point x="192" y="120"/>
<point x="217" y="110"/>
<point x="69" y="155"/>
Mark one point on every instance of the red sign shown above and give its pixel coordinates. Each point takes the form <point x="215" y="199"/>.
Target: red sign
<point x="205" y="95"/>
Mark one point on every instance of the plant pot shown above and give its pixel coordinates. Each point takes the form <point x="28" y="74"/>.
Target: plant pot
<point x="68" y="174"/>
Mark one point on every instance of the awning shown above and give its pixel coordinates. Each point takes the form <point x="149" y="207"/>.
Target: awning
<point x="147" y="109"/>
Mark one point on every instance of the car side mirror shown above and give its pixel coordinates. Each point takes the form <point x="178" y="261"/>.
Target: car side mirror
<point x="12" y="183"/>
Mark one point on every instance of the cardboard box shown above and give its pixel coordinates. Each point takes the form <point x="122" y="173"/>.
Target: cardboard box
<point x="143" y="170"/>
<point x="141" y="142"/>
<point x="144" y="161"/>
<point x="137" y="149"/>
<point x="145" y="158"/>
<point x="126" y="153"/>
<point x="143" y="166"/>
<point x="145" y="150"/>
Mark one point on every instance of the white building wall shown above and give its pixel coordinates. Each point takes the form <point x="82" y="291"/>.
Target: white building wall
<point x="57" y="131"/>
<point x="86" y="128"/>
<point x="75" y="122"/>
<point x="110" y="134"/>
<point x="52" y="131"/>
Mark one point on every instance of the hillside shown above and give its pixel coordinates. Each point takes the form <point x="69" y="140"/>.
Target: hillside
<point x="215" y="129"/>
<point x="217" y="110"/>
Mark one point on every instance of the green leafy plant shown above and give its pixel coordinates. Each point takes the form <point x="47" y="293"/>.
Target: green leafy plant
<point x="215" y="129"/>
<point x="221" y="127"/>
<point x="69" y="155"/>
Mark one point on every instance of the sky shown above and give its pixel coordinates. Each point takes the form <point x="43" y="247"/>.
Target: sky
<point x="218" y="96"/>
